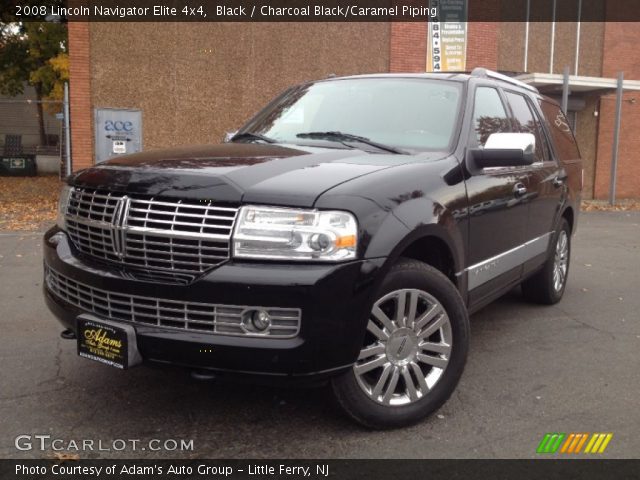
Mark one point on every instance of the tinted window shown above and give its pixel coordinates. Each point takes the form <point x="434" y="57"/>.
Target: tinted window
<point x="526" y="122"/>
<point x="489" y="115"/>
<point x="404" y="112"/>
<point x="560" y="131"/>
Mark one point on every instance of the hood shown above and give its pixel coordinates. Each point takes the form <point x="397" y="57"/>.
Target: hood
<point x="237" y="172"/>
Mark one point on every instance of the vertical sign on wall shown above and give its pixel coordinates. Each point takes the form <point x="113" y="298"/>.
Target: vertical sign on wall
<point x="447" y="43"/>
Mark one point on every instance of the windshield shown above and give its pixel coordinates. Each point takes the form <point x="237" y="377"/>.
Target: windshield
<point x="404" y="112"/>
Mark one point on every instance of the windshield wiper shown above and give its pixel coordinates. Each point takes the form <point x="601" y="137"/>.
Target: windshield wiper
<point x="251" y="136"/>
<point x="348" y="137"/>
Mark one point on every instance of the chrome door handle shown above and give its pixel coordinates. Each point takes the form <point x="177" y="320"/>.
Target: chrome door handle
<point x="519" y="190"/>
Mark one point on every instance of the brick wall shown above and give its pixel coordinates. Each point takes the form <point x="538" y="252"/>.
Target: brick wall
<point x="408" y="47"/>
<point x="621" y="50"/>
<point x="195" y="81"/>
<point x="80" y="96"/>
<point x="628" y="177"/>
<point x="482" y="45"/>
<point x="482" y="37"/>
<point x="620" y="53"/>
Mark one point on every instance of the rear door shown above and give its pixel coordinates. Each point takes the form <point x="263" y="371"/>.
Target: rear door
<point x="564" y="149"/>
<point x="498" y="209"/>
<point x="546" y="180"/>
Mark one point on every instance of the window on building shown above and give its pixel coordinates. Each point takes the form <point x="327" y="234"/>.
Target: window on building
<point x="489" y="115"/>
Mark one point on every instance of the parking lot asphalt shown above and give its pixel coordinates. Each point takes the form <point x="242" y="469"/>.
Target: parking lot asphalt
<point x="572" y="367"/>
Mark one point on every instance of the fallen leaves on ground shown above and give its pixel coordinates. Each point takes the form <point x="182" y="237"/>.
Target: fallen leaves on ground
<point x="603" y="206"/>
<point x="26" y="203"/>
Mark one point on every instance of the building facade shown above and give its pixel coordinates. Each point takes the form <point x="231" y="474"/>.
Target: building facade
<point x="20" y="125"/>
<point x="195" y="81"/>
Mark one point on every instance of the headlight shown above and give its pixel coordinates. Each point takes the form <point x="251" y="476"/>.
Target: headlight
<point x="290" y="234"/>
<point x="62" y="205"/>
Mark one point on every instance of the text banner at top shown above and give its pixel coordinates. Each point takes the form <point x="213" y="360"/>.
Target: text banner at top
<point x="315" y="10"/>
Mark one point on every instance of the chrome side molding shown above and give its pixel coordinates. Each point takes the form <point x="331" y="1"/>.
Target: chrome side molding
<point x="493" y="267"/>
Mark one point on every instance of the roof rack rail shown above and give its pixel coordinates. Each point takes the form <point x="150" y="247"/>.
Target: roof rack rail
<point x="485" y="73"/>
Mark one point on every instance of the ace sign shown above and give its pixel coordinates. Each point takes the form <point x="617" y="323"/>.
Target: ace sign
<point x="118" y="132"/>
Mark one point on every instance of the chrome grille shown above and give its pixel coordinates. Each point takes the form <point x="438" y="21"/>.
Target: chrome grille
<point x="174" y="314"/>
<point x="89" y="221"/>
<point x="187" y="218"/>
<point x="154" y="236"/>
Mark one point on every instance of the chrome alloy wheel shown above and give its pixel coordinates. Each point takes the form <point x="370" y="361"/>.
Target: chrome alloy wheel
<point x="561" y="261"/>
<point x="407" y="348"/>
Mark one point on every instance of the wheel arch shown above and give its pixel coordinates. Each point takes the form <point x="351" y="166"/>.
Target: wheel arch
<point x="569" y="215"/>
<point x="432" y="245"/>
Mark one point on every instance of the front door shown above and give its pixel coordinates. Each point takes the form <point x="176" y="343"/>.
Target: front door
<point x="546" y="183"/>
<point x="498" y="207"/>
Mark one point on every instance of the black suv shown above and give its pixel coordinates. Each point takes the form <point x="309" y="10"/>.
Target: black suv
<point x="343" y="234"/>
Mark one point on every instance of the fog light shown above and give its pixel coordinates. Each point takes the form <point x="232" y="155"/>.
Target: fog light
<point x="260" y="320"/>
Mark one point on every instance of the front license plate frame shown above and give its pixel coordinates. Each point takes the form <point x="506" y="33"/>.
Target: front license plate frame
<point x="107" y="342"/>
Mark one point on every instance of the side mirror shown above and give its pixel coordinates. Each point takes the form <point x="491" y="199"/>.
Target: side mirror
<point x="228" y="136"/>
<point x="506" y="150"/>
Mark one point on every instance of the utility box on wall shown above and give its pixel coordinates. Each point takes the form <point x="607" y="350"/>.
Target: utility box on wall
<point x="118" y="132"/>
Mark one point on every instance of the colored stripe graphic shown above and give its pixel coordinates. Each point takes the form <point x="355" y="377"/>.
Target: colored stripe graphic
<point x="598" y="442"/>
<point x="572" y="443"/>
<point x="551" y="442"/>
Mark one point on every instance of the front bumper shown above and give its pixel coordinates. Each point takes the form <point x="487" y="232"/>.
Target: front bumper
<point x="333" y="299"/>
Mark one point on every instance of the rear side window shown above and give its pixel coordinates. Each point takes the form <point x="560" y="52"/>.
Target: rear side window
<point x="561" y="132"/>
<point x="526" y="122"/>
<point x="489" y="115"/>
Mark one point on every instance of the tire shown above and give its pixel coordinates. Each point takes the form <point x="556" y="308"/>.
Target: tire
<point x="376" y="391"/>
<point x="542" y="287"/>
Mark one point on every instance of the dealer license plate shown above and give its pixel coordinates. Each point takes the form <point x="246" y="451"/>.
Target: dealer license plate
<point x="107" y="342"/>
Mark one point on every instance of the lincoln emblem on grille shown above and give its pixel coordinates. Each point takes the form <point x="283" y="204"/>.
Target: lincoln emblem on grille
<point x="119" y="221"/>
<point x="152" y="237"/>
